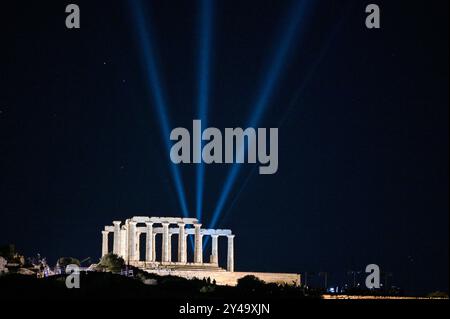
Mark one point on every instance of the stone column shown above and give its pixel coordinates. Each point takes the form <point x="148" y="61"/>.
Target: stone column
<point x="214" y="250"/>
<point x="165" y="242"/>
<point x="182" y="252"/>
<point x="137" y="250"/>
<point x="131" y="240"/>
<point x="230" y="259"/>
<point x="149" y="243"/>
<point x="123" y="243"/>
<point x="198" y="248"/>
<point x="116" y="244"/>
<point x="169" y="253"/>
<point x="154" y="247"/>
<point x="104" y="242"/>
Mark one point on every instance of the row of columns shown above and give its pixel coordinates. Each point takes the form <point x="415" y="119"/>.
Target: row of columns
<point x="132" y="240"/>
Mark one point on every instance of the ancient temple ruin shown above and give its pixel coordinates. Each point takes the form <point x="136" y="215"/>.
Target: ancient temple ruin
<point x="128" y="236"/>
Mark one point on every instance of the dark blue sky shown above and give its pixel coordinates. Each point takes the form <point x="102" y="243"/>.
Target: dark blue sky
<point x="362" y="117"/>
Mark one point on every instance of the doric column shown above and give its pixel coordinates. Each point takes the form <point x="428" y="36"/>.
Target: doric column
<point x="104" y="242"/>
<point x="230" y="259"/>
<point x="137" y="250"/>
<point x="154" y="247"/>
<point x="169" y="253"/>
<point x="131" y="240"/>
<point x="182" y="253"/>
<point x="165" y="242"/>
<point x="116" y="244"/>
<point x="123" y="243"/>
<point x="198" y="248"/>
<point x="149" y="242"/>
<point x="214" y="250"/>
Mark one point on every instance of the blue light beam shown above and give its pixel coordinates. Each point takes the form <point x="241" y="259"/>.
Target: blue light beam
<point x="151" y="71"/>
<point x="203" y="89"/>
<point x="332" y="37"/>
<point x="297" y="14"/>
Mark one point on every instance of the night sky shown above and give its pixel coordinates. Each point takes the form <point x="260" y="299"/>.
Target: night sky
<point x="362" y="115"/>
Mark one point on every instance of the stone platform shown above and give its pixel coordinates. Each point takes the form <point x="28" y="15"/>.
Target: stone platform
<point x="226" y="278"/>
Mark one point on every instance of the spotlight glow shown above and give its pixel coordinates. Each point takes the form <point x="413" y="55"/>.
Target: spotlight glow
<point x="297" y="14"/>
<point x="203" y="88"/>
<point x="151" y="71"/>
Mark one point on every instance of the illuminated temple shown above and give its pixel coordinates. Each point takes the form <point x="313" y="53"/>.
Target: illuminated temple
<point x="129" y="235"/>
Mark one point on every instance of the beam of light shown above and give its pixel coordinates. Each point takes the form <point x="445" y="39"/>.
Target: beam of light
<point x="335" y="30"/>
<point x="297" y="14"/>
<point x="151" y="72"/>
<point x="234" y="201"/>
<point x="239" y="192"/>
<point x="333" y="35"/>
<point x="203" y="89"/>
